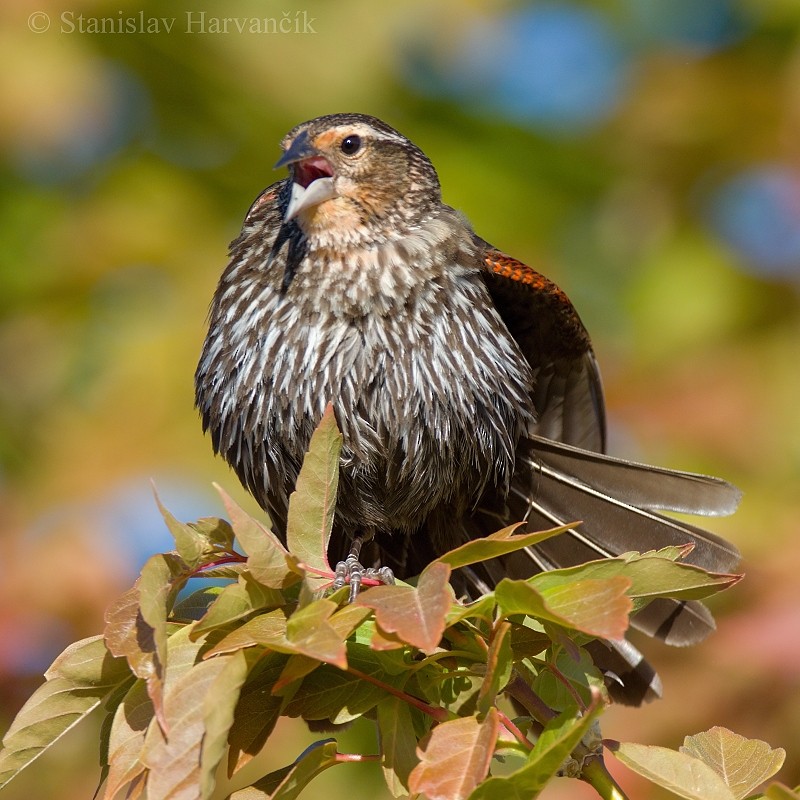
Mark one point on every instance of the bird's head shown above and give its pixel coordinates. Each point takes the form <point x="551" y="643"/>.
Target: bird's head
<point x="352" y="174"/>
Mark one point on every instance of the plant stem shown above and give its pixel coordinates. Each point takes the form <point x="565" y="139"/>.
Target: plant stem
<point x="439" y="714"/>
<point x="596" y="774"/>
<point x="514" y="731"/>
<point x="534" y="704"/>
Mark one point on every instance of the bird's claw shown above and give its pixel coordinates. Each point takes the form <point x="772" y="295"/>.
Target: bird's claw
<point x="352" y="571"/>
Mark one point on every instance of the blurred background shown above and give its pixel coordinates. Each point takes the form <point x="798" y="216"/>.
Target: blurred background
<point x="643" y="153"/>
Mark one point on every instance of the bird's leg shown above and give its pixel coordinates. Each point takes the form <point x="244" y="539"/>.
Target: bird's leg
<point x="352" y="570"/>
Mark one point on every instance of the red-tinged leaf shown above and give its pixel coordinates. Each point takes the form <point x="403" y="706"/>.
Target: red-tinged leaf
<point x="79" y="681"/>
<point x="416" y="615"/>
<point x="497" y="544"/>
<point x="310" y="633"/>
<point x="499" y="663"/>
<point x="122" y="618"/>
<point x="287" y="783"/>
<point x="237" y="601"/>
<point x="742" y="763"/>
<point x="190" y="544"/>
<point x="228" y="571"/>
<point x="175" y="762"/>
<point x="456" y="758"/>
<point x="383" y="642"/>
<point x="313" y="503"/>
<point x="680" y="773"/>
<point x="133" y="717"/>
<point x="597" y="607"/>
<point x="398" y="744"/>
<point x="267" y="559"/>
<point x="129" y="636"/>
<point x="142" y="638"/>
<point x="674" y="552"/>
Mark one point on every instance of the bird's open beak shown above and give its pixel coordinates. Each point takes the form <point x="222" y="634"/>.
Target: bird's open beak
<point x="312" y="176"/>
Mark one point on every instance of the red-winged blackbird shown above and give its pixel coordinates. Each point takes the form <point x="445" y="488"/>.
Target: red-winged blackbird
<point x="463" y="381"/>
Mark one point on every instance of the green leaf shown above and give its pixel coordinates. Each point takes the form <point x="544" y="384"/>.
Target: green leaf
<point x="527" y="642"/>
<point x="497" y="544"/>
<point x="329" y="693"/>
<point x="183" y="652"/>
<point x="482" y="608"/>
<point x="347" y="619"/>
<point x="579" y="673"/>
<point x="309" y="633"/>
<point x="398" y="744"/>
<point x="217" y="532"/>
<point x="79" y="680"/>
<point x="680" y="773"/>
<point x="742" y="763"/>
<point x="777" y="791"/>
<point x="288" y="782"/>
<point x="297" y="667"/>
<point x="313" y="503"/>
<point x="306" y="632"/>
<point x="456" y="758"/>
<point x="417" y="615"/>
<point x="88" y="664"/>
<point x="195" y="606"/>
<point x="499" y="663"/>
<point x="230" y="571"/>
<point x="267" y="559"/>
<point x="237" y="601"/>
<point x="651" y="576"/>
<point x="190" y="544"/>
<point x="560" y="737"/>
<point x="256" y="712"/>
<point x="267" y="627"/>
<point x="597" y="607"/>
<point x="554" y="746"/>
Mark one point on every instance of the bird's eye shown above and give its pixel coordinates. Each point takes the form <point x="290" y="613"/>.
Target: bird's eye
<point x="351" y="144"/>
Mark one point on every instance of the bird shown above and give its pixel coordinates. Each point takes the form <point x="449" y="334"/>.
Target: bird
<point x="463" y="382"/>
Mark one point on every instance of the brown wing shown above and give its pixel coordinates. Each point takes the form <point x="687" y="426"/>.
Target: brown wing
<point x="568" y="395"/>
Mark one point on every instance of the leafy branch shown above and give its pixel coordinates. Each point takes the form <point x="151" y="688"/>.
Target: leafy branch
<point x="185" y="684"/>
